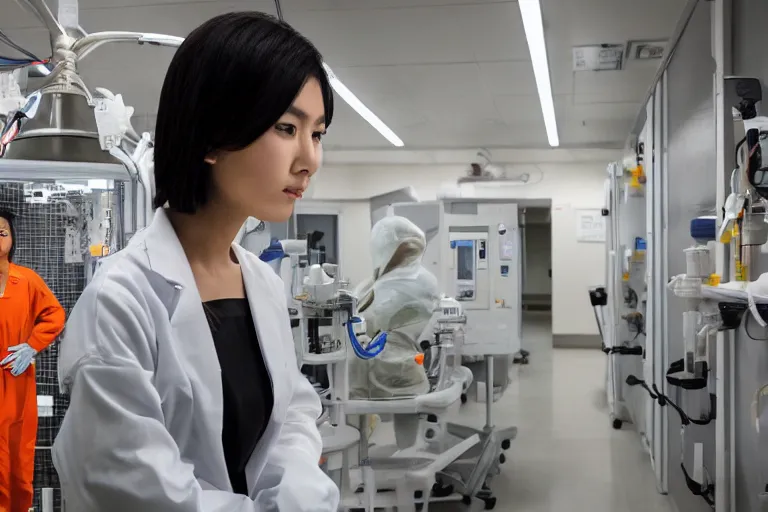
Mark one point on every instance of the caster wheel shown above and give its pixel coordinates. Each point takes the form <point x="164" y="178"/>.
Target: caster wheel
<point x="442" y="491"/>
<point x="502" y="458"/>
<point x="464" y="398"/>
<point x="466" y="500"/>
<point x="490" y="503"/>
<point x="505" y="444"/>
<point x="617" y="424"/>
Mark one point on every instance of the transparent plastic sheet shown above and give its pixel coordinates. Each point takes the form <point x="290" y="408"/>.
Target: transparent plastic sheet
<point x="396" y="242"/>
<point x="403" y="304"/>
<point x="757" y="292"/>
<point x="400" y="299"/>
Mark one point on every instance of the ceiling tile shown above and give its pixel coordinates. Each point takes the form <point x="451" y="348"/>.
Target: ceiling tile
<point x="418" y="35"/>
<point x="508" y="78"/>
<point x="440" y="73"/>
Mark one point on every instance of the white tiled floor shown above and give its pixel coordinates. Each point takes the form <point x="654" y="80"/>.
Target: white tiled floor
<point x="567" y="457"/>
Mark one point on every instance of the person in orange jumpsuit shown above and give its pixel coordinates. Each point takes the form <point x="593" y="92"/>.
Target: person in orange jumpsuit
<point x="30" y="319"/>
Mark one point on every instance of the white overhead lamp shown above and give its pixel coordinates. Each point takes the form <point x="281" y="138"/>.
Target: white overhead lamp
<point x="354" y="102"/>
<point x="534" y="33"/>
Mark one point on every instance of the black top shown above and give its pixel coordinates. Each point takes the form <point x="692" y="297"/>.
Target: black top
<point x="248" y="395"/>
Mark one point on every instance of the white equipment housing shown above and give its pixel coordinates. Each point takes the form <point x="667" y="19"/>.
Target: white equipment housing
<point x="473" y="248"/>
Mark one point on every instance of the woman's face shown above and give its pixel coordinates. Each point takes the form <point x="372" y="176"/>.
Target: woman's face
<point x="5" y="239"/>
<point x="265" y="179"/>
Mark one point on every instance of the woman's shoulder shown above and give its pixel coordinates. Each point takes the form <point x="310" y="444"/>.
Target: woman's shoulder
<point x="24" y="272"/>
<point x="113" y="318"/>
<point x="123" y="283"/>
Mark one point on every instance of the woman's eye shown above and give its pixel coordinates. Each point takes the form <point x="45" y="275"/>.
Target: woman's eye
<point x="287" y="129"/>
<point x="318" y="135"/>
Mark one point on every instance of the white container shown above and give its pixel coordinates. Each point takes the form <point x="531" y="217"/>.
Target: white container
<point x="697" y="262"/>
<point x="691" y="322"/>
<point x="686" y="287"/>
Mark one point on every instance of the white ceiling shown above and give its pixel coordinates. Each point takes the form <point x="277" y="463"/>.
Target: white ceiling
<point x="440" y="73"/>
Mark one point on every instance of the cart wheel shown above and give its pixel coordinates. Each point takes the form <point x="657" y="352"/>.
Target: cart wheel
<point x="466" y="500"/>
<point x="441" y="491"/>
<point x="463" y="398"/>
<point x="617" y="424"/>
<point x="490" y="503"/>
<point x="505" y="444"/>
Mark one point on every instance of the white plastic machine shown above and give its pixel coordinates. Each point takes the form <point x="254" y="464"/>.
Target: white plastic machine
<point x="443" y="461"/>
<point x="474" y="249"/>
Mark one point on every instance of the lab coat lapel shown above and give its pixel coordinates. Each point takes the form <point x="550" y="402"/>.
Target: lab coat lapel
<point x="190" y="327"/>
<point x="267" y="316"/>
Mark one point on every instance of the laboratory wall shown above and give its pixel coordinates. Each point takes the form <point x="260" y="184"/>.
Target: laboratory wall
<point x="691" y="184"/>
<point x="575" y="266"/>
<point x="750" y="41"/>
<point x="354" y="233"/>
<point x="323" y="223"/>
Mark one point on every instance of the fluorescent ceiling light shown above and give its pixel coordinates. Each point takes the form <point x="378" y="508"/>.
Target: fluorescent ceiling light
<point x="361" y="109"/>
<point x="534" y="32"/>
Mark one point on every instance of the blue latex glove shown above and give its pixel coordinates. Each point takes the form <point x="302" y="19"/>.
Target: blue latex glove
<point x="19" y="359"/>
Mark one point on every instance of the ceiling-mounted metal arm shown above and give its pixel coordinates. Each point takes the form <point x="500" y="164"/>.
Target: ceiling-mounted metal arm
<point x="40" y="9"/>
<point x="69" y="18"/>
<point x="279" y="10"/>
<point x="86" y="45"/>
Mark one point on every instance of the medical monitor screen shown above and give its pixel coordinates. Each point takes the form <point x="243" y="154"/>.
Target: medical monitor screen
<point x="465" y="261"/>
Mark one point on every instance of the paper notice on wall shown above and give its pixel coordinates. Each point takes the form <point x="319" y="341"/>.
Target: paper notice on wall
<point x="508" y="250"/>
<point x="72" y="248"/>
<point x="590" y="226"/>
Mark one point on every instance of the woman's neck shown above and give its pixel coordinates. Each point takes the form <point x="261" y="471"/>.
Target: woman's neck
<point x="207" y="235"/>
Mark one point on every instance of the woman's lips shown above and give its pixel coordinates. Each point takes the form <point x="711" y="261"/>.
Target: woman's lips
<point x="293" y="193"/>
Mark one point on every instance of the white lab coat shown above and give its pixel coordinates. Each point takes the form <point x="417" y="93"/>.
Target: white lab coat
<point x="143" y="430"/>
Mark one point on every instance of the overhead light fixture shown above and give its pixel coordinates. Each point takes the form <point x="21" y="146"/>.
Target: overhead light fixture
<point x="534" y="33"/>
<point x="354" y="102"/>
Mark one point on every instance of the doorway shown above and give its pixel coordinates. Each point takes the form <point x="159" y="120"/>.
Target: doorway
<point x="536" y="231"/>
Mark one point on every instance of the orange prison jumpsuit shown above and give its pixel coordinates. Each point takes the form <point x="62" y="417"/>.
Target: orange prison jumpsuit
<point x="29" y="313"/>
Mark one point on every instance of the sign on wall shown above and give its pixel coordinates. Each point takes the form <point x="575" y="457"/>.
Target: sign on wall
<point x="590" y="226"/>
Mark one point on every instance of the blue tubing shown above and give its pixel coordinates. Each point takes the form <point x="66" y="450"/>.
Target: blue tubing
<point x="374" y="348"/>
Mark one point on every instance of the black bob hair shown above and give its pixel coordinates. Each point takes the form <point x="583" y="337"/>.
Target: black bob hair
<point x="9" y="216"/>
<point x="229" y="82"/>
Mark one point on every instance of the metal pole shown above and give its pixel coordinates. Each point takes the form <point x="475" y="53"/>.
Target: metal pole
<point x="279" y="10"/>
<point x="488" y="392"/>
<point x="46" y="495"/>
<point x="725" y="498"/>
<point x="524" y="259"/>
